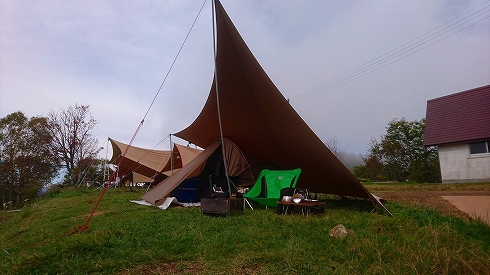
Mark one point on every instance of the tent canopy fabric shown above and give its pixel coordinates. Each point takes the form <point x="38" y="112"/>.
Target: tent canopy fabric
<point x="261" y="122"/>
<point x="181" y="156"/>
<point x="237" y="166"/>
<point x="258" y="120"/>
<point x="140" y="178"/>
<point x="148" y="162"/>
<point x="268" y="187"/>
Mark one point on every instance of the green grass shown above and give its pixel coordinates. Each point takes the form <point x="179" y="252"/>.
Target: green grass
<point x="125" y="238"/>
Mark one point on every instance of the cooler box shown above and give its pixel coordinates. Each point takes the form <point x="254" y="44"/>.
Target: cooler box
<point x="186" y="191"/>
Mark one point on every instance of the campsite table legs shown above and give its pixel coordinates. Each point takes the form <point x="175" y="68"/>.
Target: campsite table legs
<point x="283" y="207"/>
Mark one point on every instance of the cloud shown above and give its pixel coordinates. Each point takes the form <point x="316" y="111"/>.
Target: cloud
<point x="114" y="56"/>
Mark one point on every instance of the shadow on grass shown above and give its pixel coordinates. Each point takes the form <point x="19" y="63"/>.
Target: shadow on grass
<point x="334" y="202"/>
<point x="349" y="203"/>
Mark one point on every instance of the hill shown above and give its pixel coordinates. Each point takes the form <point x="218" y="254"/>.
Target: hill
<point x="125" y="238"/>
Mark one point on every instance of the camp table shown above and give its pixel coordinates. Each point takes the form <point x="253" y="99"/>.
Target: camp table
<point x="305" y="206"/>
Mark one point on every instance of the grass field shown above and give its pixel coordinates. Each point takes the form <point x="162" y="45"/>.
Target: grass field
<point x="125" y="238"/>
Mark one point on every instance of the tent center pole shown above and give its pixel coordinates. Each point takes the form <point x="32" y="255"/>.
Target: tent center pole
<point x="223" y="151"/>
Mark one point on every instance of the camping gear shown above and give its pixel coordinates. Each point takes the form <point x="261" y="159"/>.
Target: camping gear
<point x="297" y="198"/>
<point x="206" y="164"/>
<point x="302" y="207"/>
<point x="245" y="107"/>
<point x="222" y="206"/>
<point x="287" y="198"/>
<point x="219" y="186"/>
<point x="143" y="161"/>
<point x="187" y="191"/>
<point x="267" y="189"/>
<point x="149" y="162"/>
<point x="300" y="193"/>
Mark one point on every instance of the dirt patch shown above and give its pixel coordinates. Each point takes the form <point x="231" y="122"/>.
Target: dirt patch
<point x="430" y="195"/>
<point x="477" y="207"/>
<point x="164" y="268"/>
<point x="181" y="268"/>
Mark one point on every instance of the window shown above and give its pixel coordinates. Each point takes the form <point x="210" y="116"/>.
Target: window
<point x="479" y="147"/>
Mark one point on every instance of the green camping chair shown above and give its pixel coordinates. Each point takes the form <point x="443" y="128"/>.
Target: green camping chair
<point x="267" y="188"/>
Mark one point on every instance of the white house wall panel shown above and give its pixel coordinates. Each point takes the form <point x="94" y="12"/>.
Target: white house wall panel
<point x="459" y="166"/>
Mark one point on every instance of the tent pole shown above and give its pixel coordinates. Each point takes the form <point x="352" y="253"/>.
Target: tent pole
<point x="223" y="151"/>
<point x="105" y="161"/>
<point x="171" y="155"/>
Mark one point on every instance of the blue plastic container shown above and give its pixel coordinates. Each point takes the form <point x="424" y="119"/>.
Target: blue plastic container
<point x="187" y="191"/>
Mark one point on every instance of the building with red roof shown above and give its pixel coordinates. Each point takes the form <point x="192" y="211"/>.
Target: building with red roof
<point x="459" y="125"/>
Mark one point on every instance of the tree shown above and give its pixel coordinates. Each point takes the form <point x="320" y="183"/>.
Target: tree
<point x="334" y="147"/>
<point x="348" y="159"/>
<point x="26" y="163"/>
<point x="72" y="139"/>
<point x="427" y="169"/>
<point x="92" y="170"/>
<point x="373" y="163"/>
<point x="401" y="155"/>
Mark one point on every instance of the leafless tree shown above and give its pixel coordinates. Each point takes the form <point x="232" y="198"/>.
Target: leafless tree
<point x="334" y="147"/>
<point x="73" y="140"/>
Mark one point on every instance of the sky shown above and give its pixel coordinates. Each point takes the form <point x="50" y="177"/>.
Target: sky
<point x="347" y="67"/>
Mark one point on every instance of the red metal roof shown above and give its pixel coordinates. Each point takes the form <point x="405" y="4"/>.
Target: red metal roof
<point x="459" y="117"/>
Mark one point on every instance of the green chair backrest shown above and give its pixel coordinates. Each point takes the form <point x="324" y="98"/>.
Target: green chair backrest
<point x="267" y="188"/>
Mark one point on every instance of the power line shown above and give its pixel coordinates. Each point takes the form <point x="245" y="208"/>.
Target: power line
<point x="427" y="39"/>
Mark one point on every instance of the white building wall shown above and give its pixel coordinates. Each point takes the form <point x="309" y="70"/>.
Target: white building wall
<point x="458" y="165"/>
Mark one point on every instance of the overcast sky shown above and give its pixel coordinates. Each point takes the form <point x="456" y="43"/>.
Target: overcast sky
<point x="348" y="67"/>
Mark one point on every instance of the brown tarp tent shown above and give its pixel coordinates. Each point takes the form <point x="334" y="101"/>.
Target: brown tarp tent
<point x="140" y="178"/>
<point x="140" y="160"/>
<point x="182" y="155"/>
<point x="260" y="121"/>
<point x="133" y="177"/>
<point x="237" y="166"/>
<point x="148" y="162"/>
